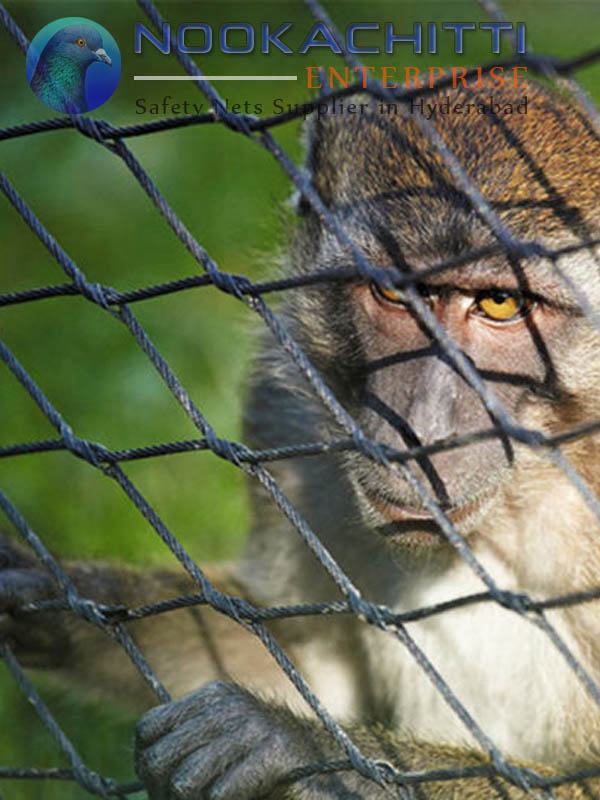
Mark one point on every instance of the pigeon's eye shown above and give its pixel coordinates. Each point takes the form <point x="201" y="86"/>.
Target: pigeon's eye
<point x="81" y="42"/>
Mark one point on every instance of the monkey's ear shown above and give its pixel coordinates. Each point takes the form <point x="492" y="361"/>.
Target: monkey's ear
<point x="315" y="137"/>
<point x="328" y="137"/>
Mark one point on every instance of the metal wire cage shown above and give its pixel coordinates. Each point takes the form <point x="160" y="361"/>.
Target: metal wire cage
<point x="255" y="463"/>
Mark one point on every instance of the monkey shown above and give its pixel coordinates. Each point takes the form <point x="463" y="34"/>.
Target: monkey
<point x="238" y="727"/>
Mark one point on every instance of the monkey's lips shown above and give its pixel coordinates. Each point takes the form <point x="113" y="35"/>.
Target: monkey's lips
<point x="386" y="502"/>
<point x="398" y="512"/>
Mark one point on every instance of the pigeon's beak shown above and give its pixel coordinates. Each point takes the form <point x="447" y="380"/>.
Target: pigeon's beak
<point x="102" y="55"/>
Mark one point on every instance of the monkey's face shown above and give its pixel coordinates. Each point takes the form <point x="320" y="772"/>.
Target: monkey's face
<point x="531" y="347"/>
<point x="413" y="396"/>
<point x="517" y="322"/>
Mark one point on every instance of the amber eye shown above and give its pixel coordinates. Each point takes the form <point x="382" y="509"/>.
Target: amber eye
<point x="502" y="306"/>
<point x="81" y="42"/>
<point x="396" y="296"/>
<point x="392" y="295"/>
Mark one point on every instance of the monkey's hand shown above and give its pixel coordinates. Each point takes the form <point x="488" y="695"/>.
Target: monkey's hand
<point x="221" y="743"/>
<point x="38" y="639"/>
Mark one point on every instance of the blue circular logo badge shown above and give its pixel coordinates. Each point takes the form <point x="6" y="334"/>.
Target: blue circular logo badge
<point x="73" y="65"/>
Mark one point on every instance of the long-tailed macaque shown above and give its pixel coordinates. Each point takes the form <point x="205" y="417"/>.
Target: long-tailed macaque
<point x="238" y="724"/>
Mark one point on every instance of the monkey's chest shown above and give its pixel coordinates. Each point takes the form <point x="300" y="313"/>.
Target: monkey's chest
<point x="501" y="669"/>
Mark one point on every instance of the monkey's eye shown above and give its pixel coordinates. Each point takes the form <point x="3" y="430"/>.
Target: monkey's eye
<point x="499" y="305"/>
<point x="397" y="296"/>
<point x="81" y="42"/>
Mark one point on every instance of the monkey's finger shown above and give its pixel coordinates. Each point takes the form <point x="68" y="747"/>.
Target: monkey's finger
<point x="11" y="555"/>
<point x="254" y="776"/>
<point x="18" y="587"/>
<point x="204" y="766"/>
<point x="157" y="722"/>
<point x="35" y="642"/>
<point x="7" y="625"/>
<point x="156" y="792"/>
<point x="158" y="760"/>
<point x="160" y="720"/>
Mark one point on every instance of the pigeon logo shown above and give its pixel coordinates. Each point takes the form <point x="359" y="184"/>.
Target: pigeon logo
<point x="73" y="65"/>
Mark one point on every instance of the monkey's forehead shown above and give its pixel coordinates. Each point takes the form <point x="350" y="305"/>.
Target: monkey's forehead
<point x="539" y="170"/>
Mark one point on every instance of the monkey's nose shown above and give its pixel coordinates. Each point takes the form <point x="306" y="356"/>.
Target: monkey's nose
<point x="432" y="413"/>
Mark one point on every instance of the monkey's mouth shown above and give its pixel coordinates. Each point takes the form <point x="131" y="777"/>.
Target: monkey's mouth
<point x="394" y="511"/>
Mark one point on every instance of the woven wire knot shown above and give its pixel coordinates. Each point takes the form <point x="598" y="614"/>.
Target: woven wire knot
<point x="236" y="285"/>
<point x="241" y="288"/>
<point x="87" y="609"/>
<point x="95" y="454"/>
<point x="94" y="129"/>
<point x="240" y="123"/>
<point x="94" y="783"/>
<point x="225" y="449"/>
<point x="514" y="601"/>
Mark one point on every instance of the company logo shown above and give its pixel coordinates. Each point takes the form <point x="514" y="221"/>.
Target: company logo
<point x="73" y="65"/>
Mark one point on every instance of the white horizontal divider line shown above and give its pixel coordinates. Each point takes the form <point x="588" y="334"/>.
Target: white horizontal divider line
<point x="215" y="77"/>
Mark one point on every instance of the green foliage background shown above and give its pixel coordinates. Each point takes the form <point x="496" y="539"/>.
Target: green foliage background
<point x="228" y="191"/>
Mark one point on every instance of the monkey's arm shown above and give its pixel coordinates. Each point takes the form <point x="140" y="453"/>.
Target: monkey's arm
<point x="185" y="648"/>
<point x="223" y="743"/>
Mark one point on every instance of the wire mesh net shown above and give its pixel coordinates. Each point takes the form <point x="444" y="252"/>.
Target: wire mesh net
<point x="113" y="619"/>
